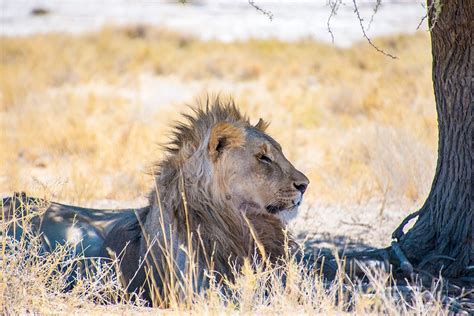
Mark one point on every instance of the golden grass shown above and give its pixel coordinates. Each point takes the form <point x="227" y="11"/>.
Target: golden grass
<point x="33" y="282"/>
<point x="81" y="117"/>
<point x="76" y="108"/>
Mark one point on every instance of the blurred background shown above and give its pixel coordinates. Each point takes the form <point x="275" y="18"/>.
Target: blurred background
<point x="89" y="89"/>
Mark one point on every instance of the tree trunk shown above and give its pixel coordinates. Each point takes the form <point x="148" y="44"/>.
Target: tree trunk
<point x="442" y="237"/>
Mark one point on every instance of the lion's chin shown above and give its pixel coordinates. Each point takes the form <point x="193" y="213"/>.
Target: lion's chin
<point x="287" y="215"/>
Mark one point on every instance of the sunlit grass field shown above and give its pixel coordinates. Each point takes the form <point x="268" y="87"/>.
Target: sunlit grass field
<point x="82" y="118"/>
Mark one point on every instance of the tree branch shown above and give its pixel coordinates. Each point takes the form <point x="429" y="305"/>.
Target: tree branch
<point x="356" y="10"/>
<point x="268" y="13"/>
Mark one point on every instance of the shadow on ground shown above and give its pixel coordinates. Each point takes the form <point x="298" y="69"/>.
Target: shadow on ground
<point x="329" y="243"/>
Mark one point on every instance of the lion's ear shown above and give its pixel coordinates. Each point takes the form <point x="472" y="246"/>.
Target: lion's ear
<point x="262" y="125"/>
<point x="224" y="136"/>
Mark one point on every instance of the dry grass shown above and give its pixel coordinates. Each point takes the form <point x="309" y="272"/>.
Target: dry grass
<point x="33" y="281"/>
<point x="358" y="123"/>
<point x="81" y="117"/>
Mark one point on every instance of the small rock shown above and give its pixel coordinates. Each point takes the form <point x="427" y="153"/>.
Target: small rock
<point x="39" y="11"/>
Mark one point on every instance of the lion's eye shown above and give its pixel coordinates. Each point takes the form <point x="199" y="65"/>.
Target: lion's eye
<point x="264" y="158"/>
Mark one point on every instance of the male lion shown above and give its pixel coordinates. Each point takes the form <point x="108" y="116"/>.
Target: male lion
<point x="223" y="187"/>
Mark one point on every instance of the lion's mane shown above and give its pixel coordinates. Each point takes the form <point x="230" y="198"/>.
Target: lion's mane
<point x="185" y="175"/>
<point x="189" y="207"/>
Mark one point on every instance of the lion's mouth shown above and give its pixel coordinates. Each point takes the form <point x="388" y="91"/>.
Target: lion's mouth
<point x="273" y="209"/>
<point x="278" y="208"/>
<point x="283" y="212"/>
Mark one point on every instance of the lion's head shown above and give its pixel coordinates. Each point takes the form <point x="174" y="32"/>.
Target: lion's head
<point x="226" y="162"/>
<point x="251" y="168"/>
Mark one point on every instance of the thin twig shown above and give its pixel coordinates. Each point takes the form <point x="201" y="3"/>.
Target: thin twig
<point x="268" y="13"/>
<point x="425" y="16"/>
<point x="356" y="10"/>
<point x="334" y="5"/>
<point x="357" y="224"/>
<point x="376" y="9"/>
<point x="422" y="20"/>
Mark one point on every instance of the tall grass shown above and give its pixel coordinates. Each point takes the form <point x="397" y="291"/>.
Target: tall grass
<point x="34" y="281"/>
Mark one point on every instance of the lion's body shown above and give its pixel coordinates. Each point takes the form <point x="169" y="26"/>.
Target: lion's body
<point x="218" y="193"/>
<point x="85" y="228"/>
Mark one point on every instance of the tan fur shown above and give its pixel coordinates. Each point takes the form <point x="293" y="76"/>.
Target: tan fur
<point x="208" y="181"/>
<point x="262" y="125"/>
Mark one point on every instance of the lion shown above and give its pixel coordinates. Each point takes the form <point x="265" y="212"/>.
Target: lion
<point x="223" y="189"/>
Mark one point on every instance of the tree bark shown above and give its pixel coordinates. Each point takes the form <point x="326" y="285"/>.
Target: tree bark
<point x="442" y="237"/>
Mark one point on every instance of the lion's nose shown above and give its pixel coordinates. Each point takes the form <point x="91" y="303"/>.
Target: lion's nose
<point x="301" y="186"/>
